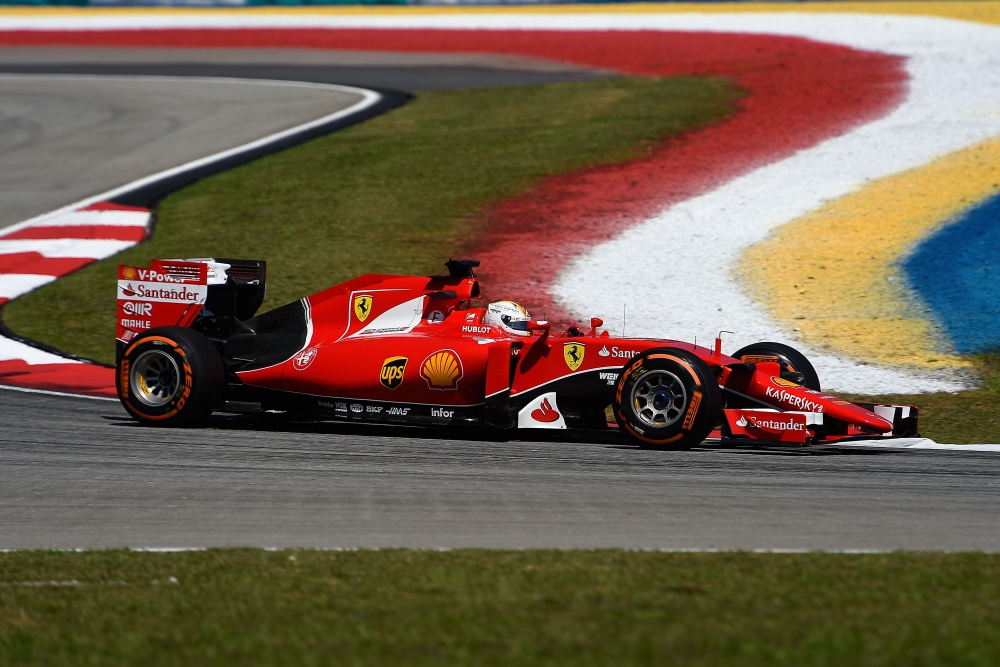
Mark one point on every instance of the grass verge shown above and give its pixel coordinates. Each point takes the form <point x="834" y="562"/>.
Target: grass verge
<point x="395" y="607"/>
<point x="398" y="194"/>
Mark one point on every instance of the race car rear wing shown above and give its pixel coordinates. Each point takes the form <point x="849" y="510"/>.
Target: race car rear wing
<point x="173" y="292"/>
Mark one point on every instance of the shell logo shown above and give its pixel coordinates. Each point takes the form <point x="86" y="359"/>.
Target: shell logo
<point x="442" y="370"/>
<point x="128" y="273"/>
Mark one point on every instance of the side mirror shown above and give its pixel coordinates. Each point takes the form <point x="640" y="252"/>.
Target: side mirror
<point x="539" y="325"/>
<point x="595" y="322"/>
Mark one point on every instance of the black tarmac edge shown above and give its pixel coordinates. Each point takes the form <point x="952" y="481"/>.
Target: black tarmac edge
<point x="149" y="195"/>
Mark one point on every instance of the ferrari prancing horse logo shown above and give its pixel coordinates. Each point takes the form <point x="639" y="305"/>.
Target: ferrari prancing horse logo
<point x="573" y="354"/>
<point x="362" y="306"/>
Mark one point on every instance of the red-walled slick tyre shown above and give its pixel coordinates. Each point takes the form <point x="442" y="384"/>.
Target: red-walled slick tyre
<point x="170" y="376"/>
<point x="667" y="398"/>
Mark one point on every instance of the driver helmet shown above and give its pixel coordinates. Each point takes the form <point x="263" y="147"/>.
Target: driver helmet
<point x="509" y="315"/>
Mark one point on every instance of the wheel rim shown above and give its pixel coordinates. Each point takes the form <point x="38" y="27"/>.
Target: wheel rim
<point x="659" y="398"/>
<point x="155" y="378"/>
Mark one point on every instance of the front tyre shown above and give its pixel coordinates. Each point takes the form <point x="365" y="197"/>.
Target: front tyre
<point x="170" y="376"/>
<point x="794" y="365"/>
<point x="667" y="398"/>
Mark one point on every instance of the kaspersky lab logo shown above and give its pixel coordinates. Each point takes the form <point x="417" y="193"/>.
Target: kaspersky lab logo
<point x="392" y="372"/>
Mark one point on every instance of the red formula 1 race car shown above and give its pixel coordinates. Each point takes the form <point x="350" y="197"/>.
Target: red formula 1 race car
<point x="418" y="350"/>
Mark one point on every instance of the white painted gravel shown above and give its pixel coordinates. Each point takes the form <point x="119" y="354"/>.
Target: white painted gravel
<point x="954" y="102"/>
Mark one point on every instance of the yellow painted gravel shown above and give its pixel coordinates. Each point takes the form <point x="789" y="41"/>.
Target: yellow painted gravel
<point x="854" y="246"/>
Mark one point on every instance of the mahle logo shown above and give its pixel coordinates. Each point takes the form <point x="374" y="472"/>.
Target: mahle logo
<point x="362" y="307"/>
<point x="392" y="372"/>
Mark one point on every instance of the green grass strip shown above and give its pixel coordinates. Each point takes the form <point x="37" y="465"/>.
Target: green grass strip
<point x="471" y="607"/>
<point x="399" y="194"/>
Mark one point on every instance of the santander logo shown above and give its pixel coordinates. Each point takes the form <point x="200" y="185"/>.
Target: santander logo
<point x="779" y="424"/>
<point x="616" y="352"/>
<point x="545" y="413"/>
<point x="541" y="412"/>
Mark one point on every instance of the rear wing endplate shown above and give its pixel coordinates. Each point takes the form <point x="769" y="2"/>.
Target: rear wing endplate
<point x="169" y="292"/>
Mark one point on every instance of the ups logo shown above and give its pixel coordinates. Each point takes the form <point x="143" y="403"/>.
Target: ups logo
<point x="392" y="372"/>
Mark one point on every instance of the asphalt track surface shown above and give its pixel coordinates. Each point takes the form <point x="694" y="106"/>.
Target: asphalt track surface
<point x="63" y="138"/>
<point x="77" y="473"/>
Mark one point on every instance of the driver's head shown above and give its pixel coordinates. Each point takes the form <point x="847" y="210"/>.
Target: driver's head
<point x="509" y="315"/>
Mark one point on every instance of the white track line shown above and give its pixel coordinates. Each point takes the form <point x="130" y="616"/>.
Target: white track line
<point x="914" y="443"/>
<point x="368" y="98"/>
<point x="64" y="248"/>
<point x="28" y="390"/>
<point x="692" y="550"/>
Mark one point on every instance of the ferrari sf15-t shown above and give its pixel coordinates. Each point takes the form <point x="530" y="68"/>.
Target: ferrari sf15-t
<point x="427" y="350"/>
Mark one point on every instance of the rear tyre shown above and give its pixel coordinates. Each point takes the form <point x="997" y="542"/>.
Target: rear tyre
<point x="170" y="376"/>
<point x="667" y="398"/>
<point x="794" y="365"/>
